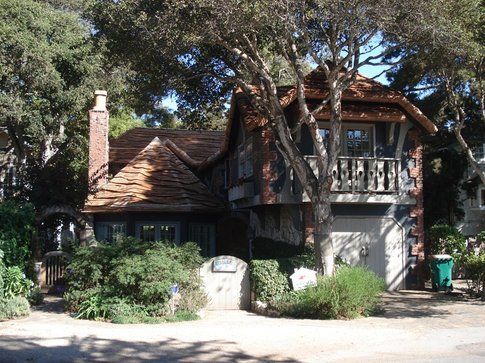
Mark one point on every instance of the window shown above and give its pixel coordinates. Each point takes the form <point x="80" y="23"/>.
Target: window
<point x="110" y="231"/>
<point x="248" y="153"/>
<point x="245" y="158"/>
<point x="481" y="195"/>
<point x="168" y="233"/>
<point x="204" y="235"/>
<point x="358" y="142"/>
<point x="242" y="161"/>
<point x="147" y="233"/>
<point x="158" y="231"/>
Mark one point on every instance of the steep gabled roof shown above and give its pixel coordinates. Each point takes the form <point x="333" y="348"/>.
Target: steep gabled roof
<point x="366" y="99"/>
<point x="155" y="180"/>
<point x="193" y="147"/>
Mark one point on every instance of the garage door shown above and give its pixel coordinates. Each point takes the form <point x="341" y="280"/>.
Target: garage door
<point x="374" y="242"/>
<point x="226" y="283"/>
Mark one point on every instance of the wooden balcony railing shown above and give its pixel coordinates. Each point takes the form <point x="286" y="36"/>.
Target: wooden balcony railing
<point x="363" y="175"/>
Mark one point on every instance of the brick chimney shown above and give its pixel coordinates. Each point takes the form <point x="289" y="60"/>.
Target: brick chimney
<point x="98" y="141"/>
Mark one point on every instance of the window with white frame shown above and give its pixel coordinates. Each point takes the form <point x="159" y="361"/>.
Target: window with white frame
<point x="205" y="236"/>
<point x="356" y="141"/>
<point x="158" y="231"/>
<point x="481" y="197"/>
<point x="110" y="231"/>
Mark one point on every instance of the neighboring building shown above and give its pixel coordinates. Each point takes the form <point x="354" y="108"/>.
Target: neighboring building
<point x="473" y="198"/>
<point x="222" y="190"/>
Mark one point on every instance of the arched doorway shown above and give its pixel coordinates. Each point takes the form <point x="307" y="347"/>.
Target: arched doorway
<point x="58" y="233"/>
<point x="232" y="237"/>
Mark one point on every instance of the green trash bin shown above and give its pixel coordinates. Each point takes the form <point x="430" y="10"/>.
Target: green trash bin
<point x="441" y="268"/>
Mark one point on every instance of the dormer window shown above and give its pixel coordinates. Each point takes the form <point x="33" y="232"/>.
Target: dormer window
<point x="245" y="158"/>
<point x="355" y="141"/>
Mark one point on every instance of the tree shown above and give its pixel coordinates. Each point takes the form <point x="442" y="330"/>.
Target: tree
<point x="49" y="66"/>
<point x="213" y="46"/>
<point x="451" y="75"/>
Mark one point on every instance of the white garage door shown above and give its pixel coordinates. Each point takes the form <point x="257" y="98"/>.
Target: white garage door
<point x="375" y="242"/>
<point x="226" y="283"/>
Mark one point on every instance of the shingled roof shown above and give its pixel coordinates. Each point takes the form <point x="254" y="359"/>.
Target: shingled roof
<point x="364" y="100"/>
<point x="194" y="147"/>
<point x="155" y="180"/>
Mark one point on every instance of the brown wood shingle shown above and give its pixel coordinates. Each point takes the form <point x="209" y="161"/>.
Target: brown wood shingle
<point x="154" y="180"/>
<point x="198" y="145"/>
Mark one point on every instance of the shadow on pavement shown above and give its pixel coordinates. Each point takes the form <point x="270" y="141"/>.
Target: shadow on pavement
<point x="21" y="349"/>
<point x="417" y="304"/>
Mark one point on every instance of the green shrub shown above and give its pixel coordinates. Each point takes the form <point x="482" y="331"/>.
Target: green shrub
<point x="352" y="292"/>
<point x="267" y="280"/>
<point x="35" y="297"/>
<point x="130" y="281"/>
<point x="94" y="307"/>
<point x="15" y="307"/>
<point x="17" y="223"/>
<point x="15" y="283"/>
<point x="474" y="268"/>
<point x="446" y="239"/>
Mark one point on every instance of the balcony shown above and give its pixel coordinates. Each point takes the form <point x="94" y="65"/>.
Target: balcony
<point x="356" y="176"/>
<point x="241" y="191"/>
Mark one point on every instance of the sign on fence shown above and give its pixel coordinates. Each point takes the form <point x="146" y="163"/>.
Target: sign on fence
<point x="224" y="264"/>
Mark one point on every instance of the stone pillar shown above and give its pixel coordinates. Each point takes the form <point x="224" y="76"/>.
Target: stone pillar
<point x="98" y="142"/>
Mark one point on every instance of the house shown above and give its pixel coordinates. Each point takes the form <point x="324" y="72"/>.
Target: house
<point x="222" y="190"/>
<point x="473" y="198"/>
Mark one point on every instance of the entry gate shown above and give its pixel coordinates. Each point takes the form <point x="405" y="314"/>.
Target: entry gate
<point x="226" y="283"/>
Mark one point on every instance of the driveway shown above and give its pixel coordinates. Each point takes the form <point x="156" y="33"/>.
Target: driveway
<point x="415" y="326"/>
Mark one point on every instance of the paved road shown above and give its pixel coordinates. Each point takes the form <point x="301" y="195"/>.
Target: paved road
<point x="414" y="327"/>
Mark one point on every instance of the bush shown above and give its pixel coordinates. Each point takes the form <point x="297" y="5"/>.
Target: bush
<point x="352" y="292"/>
<point x="267" y="280"/>
<point x="474" y="268"/>
<point x="130" y="281"/>
<point x="446" y="239"/>
<point x="15" y="307"/>
<point x="17" y="223"/>
<point x="15" y="283"/>
<point x="36" y="297"/>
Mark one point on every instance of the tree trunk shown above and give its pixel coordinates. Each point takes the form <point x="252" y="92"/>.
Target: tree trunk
<point x="323" y="237"/>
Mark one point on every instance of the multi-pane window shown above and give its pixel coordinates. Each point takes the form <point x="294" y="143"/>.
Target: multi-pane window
<point x="204" y="235"/>
<point x="168" y="233"/>
<point x="158" y="231"/>
<point x="242" y="161"/>
<point x="147" y="233"/>
<point x="110" y="231"/>
<point x="355" y="141"/>
<point x="248" y="151"/>
<point x="358" y="142"/>
<point x="245" y="158"/>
